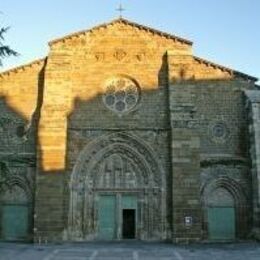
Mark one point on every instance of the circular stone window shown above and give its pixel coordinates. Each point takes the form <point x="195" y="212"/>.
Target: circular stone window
<point x="12" y="131"/>
<point x="219" y="132"/>
<point x="121" y="95"/>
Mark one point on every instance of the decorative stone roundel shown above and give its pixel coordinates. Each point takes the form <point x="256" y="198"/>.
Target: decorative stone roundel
<point x="122" y="95"/>
<point x="12" y="131"/>
<point x="219" y="132"/>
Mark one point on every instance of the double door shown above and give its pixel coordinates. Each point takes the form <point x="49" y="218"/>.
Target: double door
<point x="14" y="222"/>
<point x="117" y="216"/>
<point x="221" y="222"/>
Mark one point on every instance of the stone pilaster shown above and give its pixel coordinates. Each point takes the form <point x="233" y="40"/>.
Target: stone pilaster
<point x="52" y="144"/>
<point x="185" y="150"/>
<point x="254" y="129"/>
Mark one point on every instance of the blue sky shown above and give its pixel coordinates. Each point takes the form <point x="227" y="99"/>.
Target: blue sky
<point x="223" y="31"/>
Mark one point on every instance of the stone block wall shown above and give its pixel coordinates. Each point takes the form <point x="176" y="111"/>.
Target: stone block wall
<point x="74" y="113"/>
<point x="49" y="218"/>
<point x="184" y="115"/>
<point x="77" y="73"/>
<point x="185" y="153"/>
<point x="209" y="129"/>
<point x="253" y="106"/>
<point x="19" y="97"/>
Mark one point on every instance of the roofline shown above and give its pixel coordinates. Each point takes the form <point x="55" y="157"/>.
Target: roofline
<point x="125" y="21"/>
<point x="15" y="69"/>
<point x="231" y="71"/>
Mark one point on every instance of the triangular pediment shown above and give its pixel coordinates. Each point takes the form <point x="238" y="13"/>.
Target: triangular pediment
<point x="120" y="36"/>
<point x="125" y="22"/>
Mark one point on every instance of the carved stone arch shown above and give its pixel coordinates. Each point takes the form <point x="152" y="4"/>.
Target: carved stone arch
<point x="121" y="139"/>
<point x="228" y="184"/>
<point x="83" y="191"/>
<point x="241" y="205"/>
<point x="126" y="153"/>
<point x="8" y="180"/>
<point x="124" y="150"/>
<point x="21" y="183"/>
<point x="16" y="205"/>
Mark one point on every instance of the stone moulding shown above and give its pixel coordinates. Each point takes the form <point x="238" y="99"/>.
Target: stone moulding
<point x="84" y="186"/>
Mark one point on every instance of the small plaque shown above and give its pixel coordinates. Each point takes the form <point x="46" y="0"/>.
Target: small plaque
<point x="188" y="221"/>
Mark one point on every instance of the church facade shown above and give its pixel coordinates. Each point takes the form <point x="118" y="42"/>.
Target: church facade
<point x="122" y="133"/>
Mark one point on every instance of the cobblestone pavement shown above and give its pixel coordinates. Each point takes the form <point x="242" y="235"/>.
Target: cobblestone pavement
<point x="130" y="251"/>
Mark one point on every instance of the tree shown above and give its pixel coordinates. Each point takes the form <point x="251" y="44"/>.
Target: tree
<point x="5" y="50"/>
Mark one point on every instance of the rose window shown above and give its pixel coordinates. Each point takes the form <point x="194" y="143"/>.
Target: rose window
<point x="122" y="95"/>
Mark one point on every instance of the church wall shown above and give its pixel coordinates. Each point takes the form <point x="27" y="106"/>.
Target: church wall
<point x="19" y="88"/>
<point x="79" y="75"/>
<point x="18" y="126"/>
<point x="225" y="144"/>
<point x="253" y="108"/>
<point x="221" y="115"/>
<point x="74" y="113"/>
<point x="18" y="103"/>
<point x="188" y="119"/>
<point x="209" y="116"/>
<point x="126" y="110"/>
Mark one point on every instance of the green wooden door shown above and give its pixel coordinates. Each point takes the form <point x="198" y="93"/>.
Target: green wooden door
<point x="221" y="223"/>
<point x="107" y="217"/>
<point x="15" y="222"/>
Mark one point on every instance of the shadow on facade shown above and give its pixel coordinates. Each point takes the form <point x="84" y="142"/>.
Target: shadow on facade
<point x="120" y="147"/>
<point x="17" y="174"/>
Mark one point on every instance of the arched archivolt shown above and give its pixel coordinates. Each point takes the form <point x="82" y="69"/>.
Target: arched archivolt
<point x="237" y="199"/>
<point x="17" y="182"/>
<point x="116" y="142"/>
<point x="228" y="184"/>
<point x="124" y="157"/>
<point x="15" y="203"/>
<point x="9" y="180"/>
<point x="96" y="160"/>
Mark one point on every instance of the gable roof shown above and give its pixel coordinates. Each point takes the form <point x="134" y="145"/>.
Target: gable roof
<point x="141" y="27"/>
<point x="22" y="67"/>
<point x="223" y="68"/>
<point x="127" y="22"/>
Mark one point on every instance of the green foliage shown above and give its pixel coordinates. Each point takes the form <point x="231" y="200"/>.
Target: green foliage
<point x="5" y="50"/>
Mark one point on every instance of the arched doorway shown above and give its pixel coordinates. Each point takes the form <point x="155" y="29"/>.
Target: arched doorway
<point x="226" y="208"/>
<point x="117" y="183"/>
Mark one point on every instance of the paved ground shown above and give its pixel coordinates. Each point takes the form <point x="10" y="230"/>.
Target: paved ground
<point x="130" y="251"/>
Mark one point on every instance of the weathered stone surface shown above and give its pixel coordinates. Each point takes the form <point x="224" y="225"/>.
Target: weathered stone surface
<point x="253" y="106"/>
<point x="124" y="110"/>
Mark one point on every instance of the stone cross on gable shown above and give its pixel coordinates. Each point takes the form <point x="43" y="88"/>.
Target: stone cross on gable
<point x="120" y="9"/>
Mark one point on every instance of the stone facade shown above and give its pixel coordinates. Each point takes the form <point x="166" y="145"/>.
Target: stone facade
<point x="122" y="125"/>
<point x="253" y="106"/>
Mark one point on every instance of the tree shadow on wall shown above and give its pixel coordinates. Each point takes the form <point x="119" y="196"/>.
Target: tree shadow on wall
<point x="17" y="172"/>
<point x="148" y="117"/>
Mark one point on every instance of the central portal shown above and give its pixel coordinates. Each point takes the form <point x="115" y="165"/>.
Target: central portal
<point x="117" y="191"/>
<point x="117" y="216"/>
